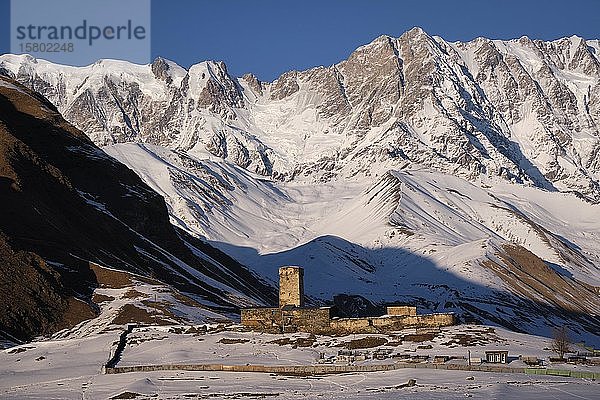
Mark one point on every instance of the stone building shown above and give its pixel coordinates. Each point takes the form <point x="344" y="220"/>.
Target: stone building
<point x="291" y="286"/>
<point x="293" y="316"/>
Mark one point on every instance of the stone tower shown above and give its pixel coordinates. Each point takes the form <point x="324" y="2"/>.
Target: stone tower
<point x="291" y="286"/>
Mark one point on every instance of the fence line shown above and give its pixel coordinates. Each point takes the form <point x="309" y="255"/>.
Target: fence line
<point x="340" y="369"/>
<point x="563" y="372"/>
<point x="115" y="357"/>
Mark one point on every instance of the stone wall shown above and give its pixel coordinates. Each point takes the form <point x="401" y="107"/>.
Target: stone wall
<point x="401" y="310"/>
<point x="309" y="319"/>
<point x="318" y="320"/>
<point x="304" y="370"/>
<point x="352" y="325"/>
<point x="390" y="323"/>
<point x="315" y="320"/>
<point x="262" y="319"/>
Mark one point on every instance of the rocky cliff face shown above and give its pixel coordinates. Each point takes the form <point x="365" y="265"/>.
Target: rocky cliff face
<point x="66" y="203"/>
<point x="522" y="109"/>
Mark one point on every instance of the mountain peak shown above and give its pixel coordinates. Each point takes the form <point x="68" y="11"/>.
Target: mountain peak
<point x="416" y="30"/>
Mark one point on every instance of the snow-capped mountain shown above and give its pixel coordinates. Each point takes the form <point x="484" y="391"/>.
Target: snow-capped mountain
<point x="522" y="109"/>
<point x="458" y="176"/>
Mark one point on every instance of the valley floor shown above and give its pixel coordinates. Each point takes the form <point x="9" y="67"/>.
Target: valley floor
<point x="72" y="368"/>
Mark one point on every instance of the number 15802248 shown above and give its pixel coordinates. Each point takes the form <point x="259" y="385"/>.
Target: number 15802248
<point x="43" y="47"/>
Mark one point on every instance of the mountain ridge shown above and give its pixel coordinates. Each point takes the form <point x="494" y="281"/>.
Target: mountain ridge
<point x="525" y="110"/>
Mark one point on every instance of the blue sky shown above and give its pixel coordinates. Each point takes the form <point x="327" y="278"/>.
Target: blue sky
<point x="268" y="37"/>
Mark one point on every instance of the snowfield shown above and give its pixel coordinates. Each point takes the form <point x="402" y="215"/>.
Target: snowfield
<point x="72" y="368"/>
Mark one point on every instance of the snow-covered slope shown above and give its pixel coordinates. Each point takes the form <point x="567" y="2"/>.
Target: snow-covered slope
<point x="521" y="109"/>
<point x="410" y="235"/>
<point x="201" y="193"/>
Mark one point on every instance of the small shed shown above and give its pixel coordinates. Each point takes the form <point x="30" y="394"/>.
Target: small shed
<point x="496" y="356"/>
<point x="440" y="359"/>
<point x="577" y="359"/>
<point x="532" y="361"/>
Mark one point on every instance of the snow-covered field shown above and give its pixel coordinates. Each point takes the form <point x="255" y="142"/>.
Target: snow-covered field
<point x="72" y="368"/>
<point x="380" y="385"/>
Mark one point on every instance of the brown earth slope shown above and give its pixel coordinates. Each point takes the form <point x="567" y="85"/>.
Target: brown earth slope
<point x="64" y="202"/>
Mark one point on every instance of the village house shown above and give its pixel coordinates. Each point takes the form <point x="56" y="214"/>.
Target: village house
<point x="496" y="356"/>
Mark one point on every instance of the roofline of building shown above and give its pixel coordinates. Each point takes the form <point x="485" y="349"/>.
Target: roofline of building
<point x="392" y="316"/>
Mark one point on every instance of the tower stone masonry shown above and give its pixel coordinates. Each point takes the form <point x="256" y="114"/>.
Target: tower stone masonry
<point x="293" y="316"/>
<point x="291" y="286"/>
